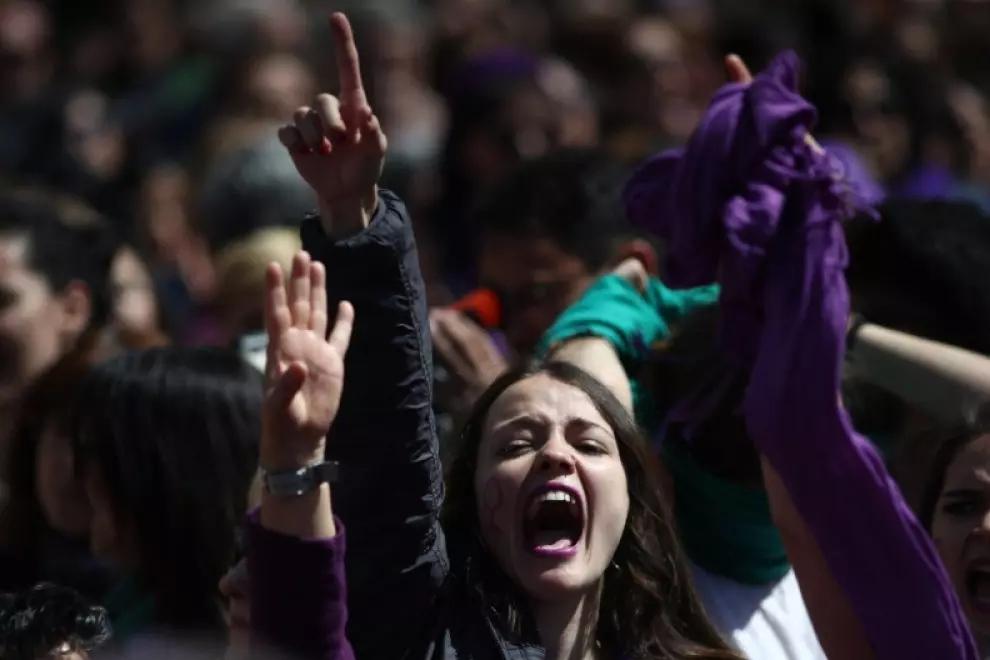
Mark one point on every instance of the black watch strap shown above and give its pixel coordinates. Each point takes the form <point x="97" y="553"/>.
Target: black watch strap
<point x="292" y="483"/>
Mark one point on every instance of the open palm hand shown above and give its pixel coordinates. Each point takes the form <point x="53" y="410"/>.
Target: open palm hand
<point x="305" y="369"/>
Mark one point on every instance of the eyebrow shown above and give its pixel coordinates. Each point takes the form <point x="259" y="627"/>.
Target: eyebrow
<point x="961" y="492"/>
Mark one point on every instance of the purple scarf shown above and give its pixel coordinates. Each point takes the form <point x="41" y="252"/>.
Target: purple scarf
<point x="749" y="203"/>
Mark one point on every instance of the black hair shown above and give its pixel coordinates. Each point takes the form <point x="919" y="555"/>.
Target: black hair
<point x="252" y="188"/>
<point x="949" y="442"/>
<point x="67" y="242"/>
<point x="174" y="434"/>
<point x="921" y="270"/>
<point x="690" y="366"/>
<point x="571" y="196"/>
<point x="40" y="621"/>
<point x="649" y="607"/>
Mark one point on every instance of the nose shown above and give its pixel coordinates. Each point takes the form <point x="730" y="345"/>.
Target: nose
<point x="557" y="456"/>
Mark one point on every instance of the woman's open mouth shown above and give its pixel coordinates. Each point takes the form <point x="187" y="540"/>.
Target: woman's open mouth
<point x="978" y="586"/>
<point x="553" y="521"/>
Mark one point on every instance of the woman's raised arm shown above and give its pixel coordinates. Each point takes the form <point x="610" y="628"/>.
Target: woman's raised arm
<point x="390" y="486"/>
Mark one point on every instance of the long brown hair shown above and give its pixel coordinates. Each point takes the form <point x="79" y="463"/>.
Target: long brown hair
<point x="649" y="608"/>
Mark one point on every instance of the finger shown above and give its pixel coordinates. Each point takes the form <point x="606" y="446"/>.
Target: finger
<point x="343" y="326"/>
<point x="299" y="290"/>
<point x="308" y="125"/>
<point x="633" y="271"/>
<point x="348" y="63"/>
<point x="277" y="316"/>
<point x="461" y="341"/>
<point x="318" y="298"/>
<point x="328" y="110"/>
<point x="373" y="135"/>
<point x="443" y="343"/>
<point x="737" y="69"/>
<point x="292" y="139"/>
<point x="289" y="384"/>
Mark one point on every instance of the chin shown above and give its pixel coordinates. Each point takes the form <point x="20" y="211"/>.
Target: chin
<point x="556" y="582"/>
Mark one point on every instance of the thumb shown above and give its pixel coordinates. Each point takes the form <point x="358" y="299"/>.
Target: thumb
<point x="288" y="385"/>
<point x="633" y="271"/>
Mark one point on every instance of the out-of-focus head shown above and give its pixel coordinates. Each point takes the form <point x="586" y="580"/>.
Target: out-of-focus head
<point x="43" y="490"/>
<point x="136" y="311"/>
<point x="558" y="499"/>
<point x="241" y="276"/>
<point x="955" y="507"/>
<point x="50" y="622"/>
<point x="252" y="188"/>
<point x="167" y="446"/>
<point x="547" y="231"/>
<point x="275" y="84"/>
<point x="919" y="270"/>
<point x="55" y="262"/>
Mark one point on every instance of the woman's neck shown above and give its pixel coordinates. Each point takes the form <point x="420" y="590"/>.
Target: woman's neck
<point x="567" y="627"/>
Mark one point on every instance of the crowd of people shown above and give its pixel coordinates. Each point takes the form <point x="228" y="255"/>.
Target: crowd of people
<point x="567" y="330"/>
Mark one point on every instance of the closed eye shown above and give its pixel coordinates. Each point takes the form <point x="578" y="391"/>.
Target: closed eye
<point x="514" y="448"/>
<point x="592" y="447"/>
<point x="964" y="503"/>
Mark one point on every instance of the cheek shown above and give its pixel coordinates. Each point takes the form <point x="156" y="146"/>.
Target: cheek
<point x="495" y="507"/>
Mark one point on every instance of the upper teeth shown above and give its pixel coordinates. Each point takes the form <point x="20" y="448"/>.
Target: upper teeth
<point x="556" y="496"/>
<point x="550" y="496"/>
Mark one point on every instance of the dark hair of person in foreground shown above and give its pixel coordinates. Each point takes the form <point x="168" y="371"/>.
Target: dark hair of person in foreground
<point x="49" y="621"/>
<point x="648" y="606"/>
<point x="167" y="445"/>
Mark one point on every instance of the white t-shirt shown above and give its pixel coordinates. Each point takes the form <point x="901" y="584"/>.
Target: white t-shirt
<point x="766" y="622"/>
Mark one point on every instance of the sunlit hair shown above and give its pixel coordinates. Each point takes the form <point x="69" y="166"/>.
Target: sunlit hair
<point x="649" y="607"/>
<point x="950" y="443"/>
<point x="49" y="621"/>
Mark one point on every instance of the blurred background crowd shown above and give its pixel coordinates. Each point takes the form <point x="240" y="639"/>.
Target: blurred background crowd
<point x="159" y="113"/>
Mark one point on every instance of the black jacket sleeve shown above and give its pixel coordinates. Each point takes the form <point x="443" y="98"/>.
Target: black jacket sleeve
<point x="391" y="485"/>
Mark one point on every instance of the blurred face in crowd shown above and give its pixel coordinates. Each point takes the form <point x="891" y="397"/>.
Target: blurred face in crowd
<point x="135" y="309"/>
<point x="550" y="488"/>
<point x="535" y="280"/>
<point x="37" y="324"/>
<point x="278" y="84"/>
<point x="961" y="530"/>
<point x="886" y="134"/>
<point x="63" y="500"/>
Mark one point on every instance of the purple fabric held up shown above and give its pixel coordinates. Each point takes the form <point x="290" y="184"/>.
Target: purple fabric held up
<point x="749" y="203"/>
<point x="298" y="593"/>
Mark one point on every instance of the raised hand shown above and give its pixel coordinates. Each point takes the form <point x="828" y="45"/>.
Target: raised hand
<point x="738" y="72"/>
<point x="304" y="374"/>
<point x="337" y="144"/>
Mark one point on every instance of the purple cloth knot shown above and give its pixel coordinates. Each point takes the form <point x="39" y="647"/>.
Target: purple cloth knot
<point x="721" y="200"/>
<point x="749" y="202"/>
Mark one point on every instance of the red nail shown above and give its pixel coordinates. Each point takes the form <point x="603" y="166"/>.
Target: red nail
<point x="325" y="147"/>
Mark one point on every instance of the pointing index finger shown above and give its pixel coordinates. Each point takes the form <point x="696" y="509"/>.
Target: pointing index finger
<point x="348" y="65"/>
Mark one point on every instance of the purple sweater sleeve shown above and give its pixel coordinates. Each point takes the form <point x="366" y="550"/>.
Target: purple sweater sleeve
<point x="298" y="594"/>
<point x="750" y="203"/>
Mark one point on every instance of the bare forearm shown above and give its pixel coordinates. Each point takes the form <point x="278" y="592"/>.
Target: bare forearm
<point x="598" y="358"/>
<point x="942" y="379"/>
<point x="346" y="218"/>
<point x="308" y="516"/>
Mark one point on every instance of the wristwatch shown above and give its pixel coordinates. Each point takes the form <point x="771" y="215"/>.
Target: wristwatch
<point x="292" y="483"/>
